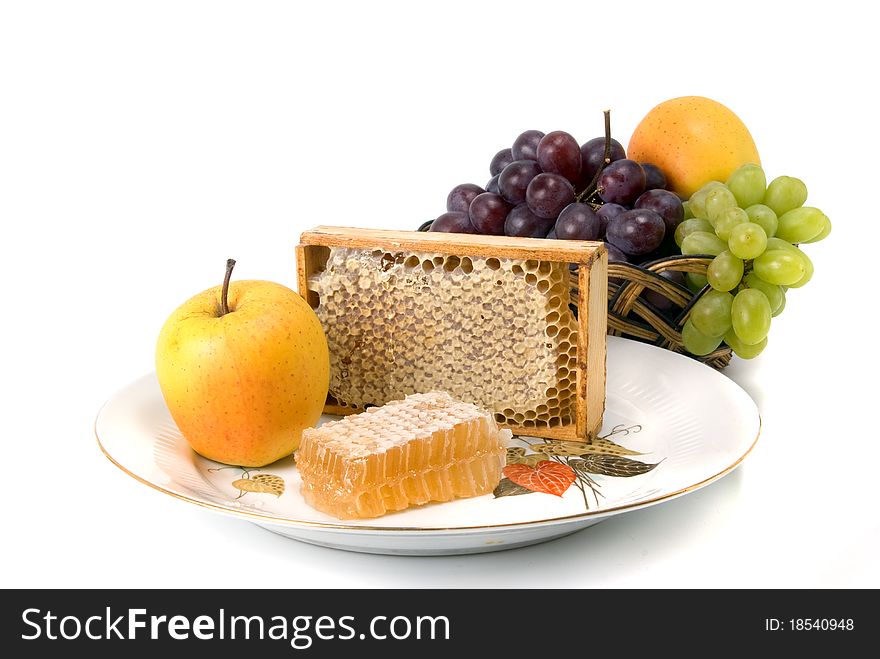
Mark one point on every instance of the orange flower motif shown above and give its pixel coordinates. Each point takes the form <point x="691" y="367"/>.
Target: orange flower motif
<point x="547" y="476"/>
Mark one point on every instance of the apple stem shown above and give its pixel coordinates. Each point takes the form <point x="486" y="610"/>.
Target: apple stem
<point x="224" y="295"/>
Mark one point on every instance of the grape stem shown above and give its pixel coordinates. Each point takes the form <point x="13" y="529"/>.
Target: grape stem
<point x="606" y="160"/>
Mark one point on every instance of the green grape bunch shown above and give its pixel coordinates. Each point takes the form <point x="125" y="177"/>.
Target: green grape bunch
<point x="753" y="231"/>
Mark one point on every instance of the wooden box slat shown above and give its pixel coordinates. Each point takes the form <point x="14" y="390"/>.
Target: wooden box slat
<point x="590" y="257"/>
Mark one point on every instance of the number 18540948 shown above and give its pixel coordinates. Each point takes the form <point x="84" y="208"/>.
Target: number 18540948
<point x="809" y="624"/>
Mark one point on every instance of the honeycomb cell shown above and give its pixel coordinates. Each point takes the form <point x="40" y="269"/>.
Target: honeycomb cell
<point x="427" y="447"/>
<point x="451" y="263"/>
<point x="494" y="332"/>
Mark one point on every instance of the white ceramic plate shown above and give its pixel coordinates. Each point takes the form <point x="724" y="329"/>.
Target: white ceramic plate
<point x="692" y="423"/>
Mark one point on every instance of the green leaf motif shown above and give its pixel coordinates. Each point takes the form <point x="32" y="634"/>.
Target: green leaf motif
<point x="560" y="448"/>
<point x="599" y="446"/>
<point x="262" y="483"/>
<point x="517" y="456"/>
<point x="611" y="465"/>
<point x="607" y="447"/>
<point x="507" y="488"/>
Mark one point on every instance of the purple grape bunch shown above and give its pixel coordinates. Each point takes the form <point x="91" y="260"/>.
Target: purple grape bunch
<point x="546" y="185"/>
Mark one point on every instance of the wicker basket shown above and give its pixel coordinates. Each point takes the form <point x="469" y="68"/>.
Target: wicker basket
<point x="630" y="316"/>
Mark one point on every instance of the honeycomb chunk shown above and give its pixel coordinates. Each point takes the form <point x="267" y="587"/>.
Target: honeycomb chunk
<point x="495" y="332"/>
<point x="427" y="447"/>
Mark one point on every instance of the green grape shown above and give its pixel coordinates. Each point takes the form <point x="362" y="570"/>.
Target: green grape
<point x="785" y="193"/>
<point x="748" y="183"/>
<point x="781" y="306"/>
<point x="689" y="226"/>
<point x="808" y="271"/>
<point x="744" y="350"/>
<point x="823" y="233"/>
<point x="750" y="315"/>
<point x="688" y="213"/>
<point x="695" y="282"/>
<point x="718" y="201"/>
<point x="747" y="241"/>
<point x="801" y="224"/>
<point x="779" y="243"/>
<point x="697" y="202"/>
<point x="782" y="267"/>
<point x="729" y="219"/>
<point x="696" y="342"/>
<point x="702" y="242"/>
<point x="775" y="295"/>
<point x="711" y="313"/>
<point x="725" y="272"/>
<point x="764" y="217"/>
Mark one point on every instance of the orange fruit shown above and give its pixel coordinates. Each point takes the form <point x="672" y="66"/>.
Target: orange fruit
<point x="694" y="140"/>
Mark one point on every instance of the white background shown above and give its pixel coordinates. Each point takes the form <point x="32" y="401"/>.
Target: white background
<point x="143" y="143"/>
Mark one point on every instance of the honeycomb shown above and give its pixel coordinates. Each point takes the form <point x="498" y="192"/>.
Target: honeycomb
<point x="495" y="332"/>
<point x="427" y="447"/>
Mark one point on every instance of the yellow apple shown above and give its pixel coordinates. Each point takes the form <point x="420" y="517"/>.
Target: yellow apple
<point x="244" y="368"/>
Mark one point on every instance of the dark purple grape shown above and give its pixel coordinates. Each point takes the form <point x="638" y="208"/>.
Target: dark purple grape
<point x="675" y="276"/>
<point x="667" y="248"/>
<point x="593" y="152"/>
<point x="453" y="222"/>
<point x="559" y="153"/>
<point x="525" y="147"/>
<point x="488" y="212"/>
<point x="492" y="185"/>
<point x="653" y="255"/>
<point x="552" y="234"/>
<point x="461" y="196"/>
<point x="605" y="213"/>
<point x="661" y="302"/>
<point x="515" y="178"/>
<point x="621" y="182"/>
<point x="501" y="160"/>
<point x="523" y="223"/>
<point x="615" y="254"/>
<point x="655" y="179"/>
<point x="666" y="204"/>
<point x="635" y="232"/>
<point x="548" y="194"/>
<point x="577" y="222"/>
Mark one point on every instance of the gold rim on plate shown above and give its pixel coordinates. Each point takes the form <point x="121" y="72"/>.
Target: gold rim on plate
<point x="421" y="529"/>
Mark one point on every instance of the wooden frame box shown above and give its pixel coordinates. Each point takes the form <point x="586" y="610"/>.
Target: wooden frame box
<point x="590" y="259"/>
